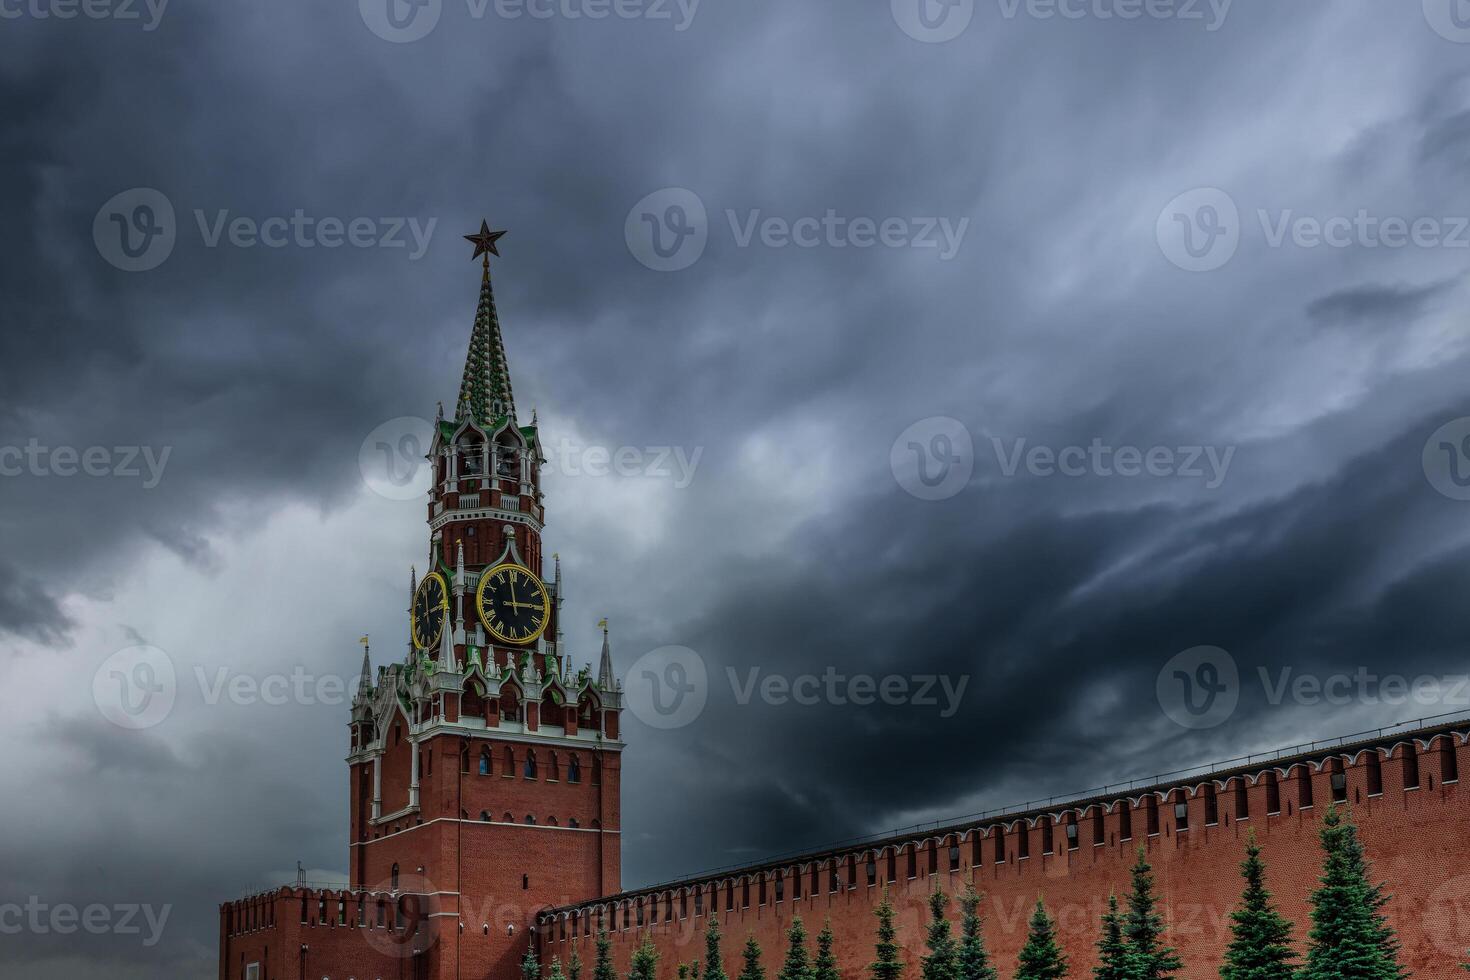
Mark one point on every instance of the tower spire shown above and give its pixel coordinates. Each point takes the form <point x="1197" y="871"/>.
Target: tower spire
<point x="485" y="392"/>
<point x="605" y="668"/>
<point x="365" y="679"/>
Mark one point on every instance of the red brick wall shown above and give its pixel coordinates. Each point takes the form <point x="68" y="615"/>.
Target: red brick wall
<point x="1415" y="839"/>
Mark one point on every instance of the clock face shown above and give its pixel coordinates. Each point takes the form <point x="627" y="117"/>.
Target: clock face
<point x="430" y="610"/>
<point x="513" y="603"/>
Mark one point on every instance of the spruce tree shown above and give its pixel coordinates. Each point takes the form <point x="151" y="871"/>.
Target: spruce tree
<point x="751" y="954"/>
<point x="1351" y="938"/>
<point x="574" y="966"/>
<point x="942" y="961"/>
<point x="1148" y="956"/>
<point x="556" y="973"/>
<point x="530" y="968"/>
<point x="797" y="966"/>
<point x="683" y="971"/>
<point x="974" y="958"/>
<point x="645" y="961"/>
<point x="1112" y="950"/>
<point x="1041" y="957"/>
<point x="1260" y="945"/>
<point x="886" y="966"/>
<point x="694" y="968"/>
<point x="714" y="966"/>
<point x="603" y="968"/>
<point x="825" y="967"/>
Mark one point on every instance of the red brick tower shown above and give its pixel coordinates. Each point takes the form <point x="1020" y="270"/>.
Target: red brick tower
<point x="484" y="768"/>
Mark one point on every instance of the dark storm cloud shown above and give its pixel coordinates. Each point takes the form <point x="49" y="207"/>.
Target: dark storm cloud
<point x="1057" y="321"/>
<point x="1388" y="305"/>
<point x="1316" y="580"/>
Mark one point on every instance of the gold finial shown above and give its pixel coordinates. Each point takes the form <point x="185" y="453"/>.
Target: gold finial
<point x="603" y="623"/>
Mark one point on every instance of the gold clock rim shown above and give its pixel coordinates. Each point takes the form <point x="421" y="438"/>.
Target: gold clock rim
<point x="413" y="613"/>
<point x="480" y="603"/>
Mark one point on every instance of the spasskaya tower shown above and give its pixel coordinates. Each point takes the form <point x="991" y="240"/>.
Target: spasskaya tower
<point x="484" y="768"/>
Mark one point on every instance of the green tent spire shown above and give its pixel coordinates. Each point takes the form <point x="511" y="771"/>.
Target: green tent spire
<point x="485" y="393"/>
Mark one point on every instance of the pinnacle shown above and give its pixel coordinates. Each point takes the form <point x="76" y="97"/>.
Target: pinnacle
<point x="485" y="393"/>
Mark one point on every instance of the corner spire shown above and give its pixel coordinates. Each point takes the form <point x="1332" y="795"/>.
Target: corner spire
<point x="485" y="392"/>
<point x="605" y="668"/>
<point x="365" y="679"/>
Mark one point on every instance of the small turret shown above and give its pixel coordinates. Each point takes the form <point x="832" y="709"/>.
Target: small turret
<point x="365" y="678"/>
<point x="605" y="667"/>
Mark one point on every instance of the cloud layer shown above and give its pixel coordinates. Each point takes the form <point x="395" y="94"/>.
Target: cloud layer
<point x="791" y="355"/>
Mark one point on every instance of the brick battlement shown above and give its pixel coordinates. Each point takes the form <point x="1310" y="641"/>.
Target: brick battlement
<point x="1401" y="784"/>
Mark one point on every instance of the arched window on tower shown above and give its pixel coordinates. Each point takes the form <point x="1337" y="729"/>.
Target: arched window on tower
<point x="596" y="770"/>
<point x="464" y="758"/>
<point x="394" y="885"/>
<point x="574" y="769"/>
<point x="530" y="770"/>
<point x="509" y="758"/>
<point x="485" y="761"/>
<point x="472" y="703"/>
<point x="553" y="768"/>
<point x="510" y="705"/>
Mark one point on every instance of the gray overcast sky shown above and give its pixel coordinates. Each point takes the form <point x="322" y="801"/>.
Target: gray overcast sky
<point x="1242" y="233"/>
